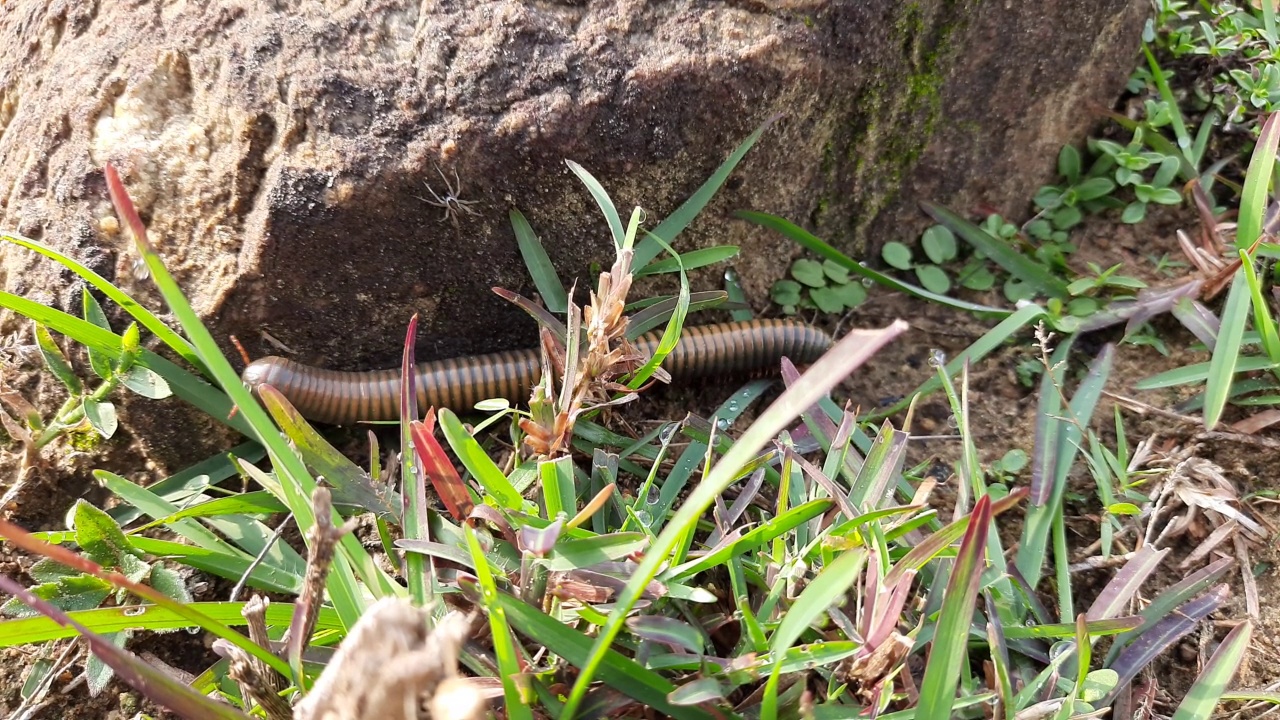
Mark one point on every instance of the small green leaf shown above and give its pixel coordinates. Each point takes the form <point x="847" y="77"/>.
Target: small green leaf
<point x="809" y="272"/>
<point x="826" y="300"/>
<point x="1134" y="213"/>
<point x="851" y="295"/>
<point x="1066" y="218"/>
<point x="980" y="280"/>
<point x="98" y="360"/>
<point x="1166" y="196"/>
<point x="1082" y="307"/>
<point x="1069" y="163"/>
<point x="170" y="583"/>
<point x="102" y="416"/>
<point x="146" y="383"/>
<point x="897" y="255"/>
<point x="1014" y="460"/>
<point x="785" y="292"/>
<point x="1094" y="188"/>
<point x="56" y="361"/>
<point x="837" y="272"/>
<point x="71" y="593"/>
<point x="1015" y="290"/>
<point x="98" y="535"/>
<point x="933" y="279"/>
<point x="129" y="345"/>
<point x="1098" y="683"/>
<point x="97" y="673"/>
<point x="1124" y="508"/>
<point x="939" y="244"/>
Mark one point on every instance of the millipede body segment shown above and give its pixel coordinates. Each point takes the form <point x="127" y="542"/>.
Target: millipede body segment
<point x="339" y="397"/>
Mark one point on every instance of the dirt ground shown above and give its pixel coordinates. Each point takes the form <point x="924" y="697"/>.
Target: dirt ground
<point x="1003" y="411"/>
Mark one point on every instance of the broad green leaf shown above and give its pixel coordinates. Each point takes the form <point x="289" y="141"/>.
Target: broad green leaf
<point x="98" y="535"/>
<point x="146" y="382"/>
<point x="102" y="416"/>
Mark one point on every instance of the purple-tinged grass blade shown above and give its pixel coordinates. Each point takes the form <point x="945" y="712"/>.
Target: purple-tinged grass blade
<point x="1120" y="590"/>
<point x="883" y="463"/>
<point x="1206" y="692"/>
<point x="1148" y="303"/>
<point x="541" y="315"/>
<point x="999" y="659"/>
<point x="950" y="639"/>
<point x="1161" y="636"/>
<point x="155" y="684"/>
<point x="1038" y="525"/>
<point x="1166" y="602"/>
<point x="1044" y="456"/>
<point x="826" y="483"/>
<point x="1198" y="319"/>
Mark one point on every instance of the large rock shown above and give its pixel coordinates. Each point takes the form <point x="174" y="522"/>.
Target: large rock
<point x="281" y="158"/>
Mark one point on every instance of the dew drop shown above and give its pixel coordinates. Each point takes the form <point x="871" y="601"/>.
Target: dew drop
<point x="722" y="424"/>
<point x="139" y="269"/>
<point x="134" y="610"/>
<point x="867" y="282"/>
<point x="937" y="358"/>
<point x="732" y="406"/>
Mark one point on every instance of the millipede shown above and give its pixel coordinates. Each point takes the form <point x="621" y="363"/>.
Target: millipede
<point x="345" y="397"/>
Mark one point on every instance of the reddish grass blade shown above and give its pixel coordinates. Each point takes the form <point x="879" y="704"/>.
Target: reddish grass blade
<point x="947" y="653"/>
<point x="448" y="484"/>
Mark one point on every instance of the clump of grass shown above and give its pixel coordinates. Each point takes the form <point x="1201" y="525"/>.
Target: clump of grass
<point x="794" y="566"/>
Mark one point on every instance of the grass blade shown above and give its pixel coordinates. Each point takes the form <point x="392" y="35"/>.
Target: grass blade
<point x="602" y="199"/>
<point x="676" y="222"/>
<point x="1226" y="354"/>
<point x="41" y="629"/>
<point x="539" y="264"/>
<point x="947" y="654"/>
<point x="1206" y="692"/>
<point x="504" y="648"/>
<point x="1253" y="199"/>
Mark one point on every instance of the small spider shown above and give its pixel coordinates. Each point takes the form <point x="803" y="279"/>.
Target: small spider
<point x="452" y="204"/>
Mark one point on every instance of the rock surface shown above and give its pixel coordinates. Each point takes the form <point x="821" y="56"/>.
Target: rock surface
<point x="281" y="158"/>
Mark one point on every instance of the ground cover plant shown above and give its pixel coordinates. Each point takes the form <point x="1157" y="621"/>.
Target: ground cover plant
<point x="794" y="566"/>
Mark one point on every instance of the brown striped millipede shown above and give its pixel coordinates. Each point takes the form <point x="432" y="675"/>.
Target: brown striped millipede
<point x="338" y="397"/>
